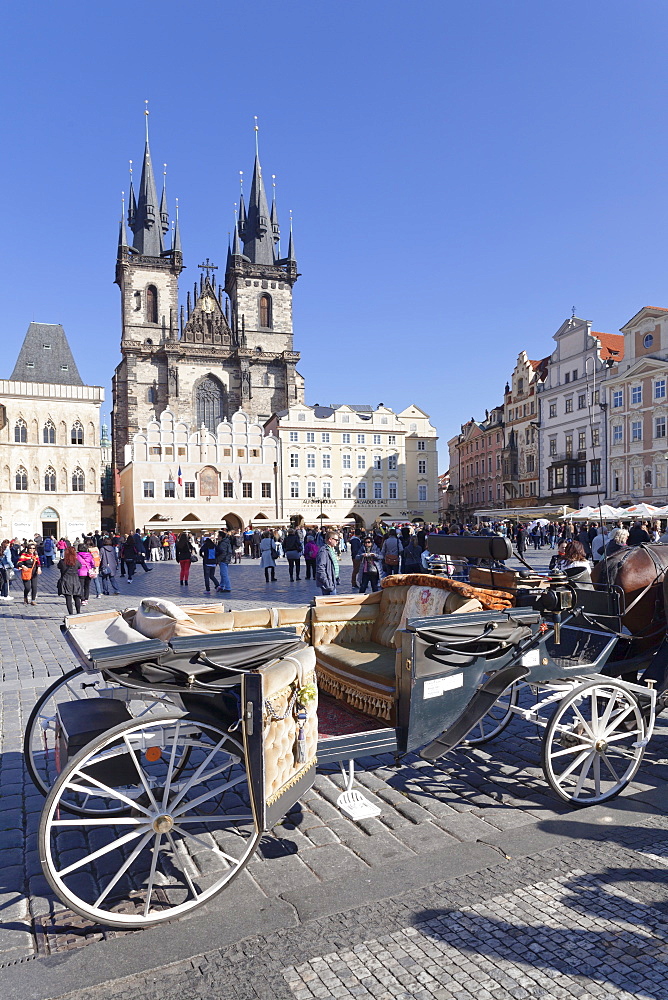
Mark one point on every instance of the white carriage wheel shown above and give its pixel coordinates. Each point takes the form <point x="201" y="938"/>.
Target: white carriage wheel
<point x="182" y="840"/>
<point x="594" y="743"/>
<point x="497" y="718"/>
<point x="40" y="741"/>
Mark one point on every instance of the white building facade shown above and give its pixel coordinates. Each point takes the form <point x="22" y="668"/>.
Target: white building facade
<point x="176" y="478"/>
<point x="638" y="413"/>
<point x="346" y="461"/>
<point x="573" y="406"/>
<point x="49" y="442"/>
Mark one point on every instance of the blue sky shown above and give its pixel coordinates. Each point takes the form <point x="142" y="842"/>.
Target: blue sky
<point x="461" y="174"/>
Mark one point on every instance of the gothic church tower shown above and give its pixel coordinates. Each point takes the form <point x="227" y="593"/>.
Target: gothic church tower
<point x="228" y="348"/>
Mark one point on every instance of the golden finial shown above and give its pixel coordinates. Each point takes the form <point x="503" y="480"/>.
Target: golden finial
<point x="241" y="180"/>
<point x="177" y="209"/>
<point x="131" y="171"/>
<point x="257" y="129"/>
<point x="146" y="112"/>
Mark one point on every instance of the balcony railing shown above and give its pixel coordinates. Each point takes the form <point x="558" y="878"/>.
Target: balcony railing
<point x="567" y="456"/>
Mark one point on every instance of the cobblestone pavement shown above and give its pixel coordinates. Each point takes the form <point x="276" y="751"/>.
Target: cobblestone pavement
<point x="488" y="928"/>
<point x="585" y="920"/>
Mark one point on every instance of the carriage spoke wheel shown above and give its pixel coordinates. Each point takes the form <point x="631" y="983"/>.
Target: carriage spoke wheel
<point x="496" y="719"/>
<point x="182" y="838"/>
<point x="593" y="746"/>
<point x="41" y="745"/>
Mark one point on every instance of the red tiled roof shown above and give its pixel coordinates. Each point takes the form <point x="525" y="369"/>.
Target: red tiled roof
<point x="612" y="344"/>
<point x="537" y="365"/>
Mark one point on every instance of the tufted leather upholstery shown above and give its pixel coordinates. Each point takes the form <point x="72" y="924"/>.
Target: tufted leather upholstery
<point x="280" y="681"/>
<point x="355" y="651"/>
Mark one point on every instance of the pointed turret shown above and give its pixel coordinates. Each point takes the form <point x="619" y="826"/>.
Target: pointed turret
<point x="236" y="245"/>
<point x="132" y="202"/>
<point x="275" y="228"/>
<point x="291" y="246"/>
<point x="176" y="236"/>
<point x="147" y="233"/>
<point x="164" y="215"/>
<point x="257" y="236"/>
<point x="122" y="235"/>
<point x="241" y="222"/>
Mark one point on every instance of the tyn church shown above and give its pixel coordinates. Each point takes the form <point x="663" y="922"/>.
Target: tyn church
<point x="229" y="347"/>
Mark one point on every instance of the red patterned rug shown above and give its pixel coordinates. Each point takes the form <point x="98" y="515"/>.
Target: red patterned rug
<point x="335" y="718"/>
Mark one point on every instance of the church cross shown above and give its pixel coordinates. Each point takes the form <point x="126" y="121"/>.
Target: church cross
<point x="208" y="267"/>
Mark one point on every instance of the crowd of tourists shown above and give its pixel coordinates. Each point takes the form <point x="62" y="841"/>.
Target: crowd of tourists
<point x="92" y="565"/>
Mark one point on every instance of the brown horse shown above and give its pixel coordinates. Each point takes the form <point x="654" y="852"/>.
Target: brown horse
<point x="639" y="571"/>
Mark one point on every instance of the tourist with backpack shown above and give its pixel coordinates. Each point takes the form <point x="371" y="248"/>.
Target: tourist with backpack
<point x="310" y="555"/>
<point x="207" y="550"/>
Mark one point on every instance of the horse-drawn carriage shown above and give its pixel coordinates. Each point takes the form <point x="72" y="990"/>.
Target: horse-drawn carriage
<point x="185" y="734"/>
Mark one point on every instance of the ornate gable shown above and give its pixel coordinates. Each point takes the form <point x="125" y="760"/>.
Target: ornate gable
<point x="207" y="323"/>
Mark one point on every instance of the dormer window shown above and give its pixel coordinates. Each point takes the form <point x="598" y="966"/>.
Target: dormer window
<point x="47" y="347"/>
<point x="648" y="340"/>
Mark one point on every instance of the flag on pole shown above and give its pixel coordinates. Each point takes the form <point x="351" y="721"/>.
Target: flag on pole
<point x="180" y="480"/>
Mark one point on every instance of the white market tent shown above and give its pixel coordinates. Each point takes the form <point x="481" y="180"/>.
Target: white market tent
<point x="552" y="513"/>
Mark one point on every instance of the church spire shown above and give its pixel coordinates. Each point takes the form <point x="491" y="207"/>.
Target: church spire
<point x="147" y="233"/>
<point x="257" y="234"/>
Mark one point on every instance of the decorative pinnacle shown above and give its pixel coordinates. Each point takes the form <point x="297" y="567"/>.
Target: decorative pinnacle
<point x="146" y="112"/>
<point x="257" y="129"/>
<point x="177" y="209"/>
<point x="241" y="180"/>
<point x="130" y="171"/>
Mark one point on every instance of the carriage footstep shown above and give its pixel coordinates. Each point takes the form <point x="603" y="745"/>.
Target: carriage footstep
<point x="352" y="802"/>
<point x="356" y="806"/>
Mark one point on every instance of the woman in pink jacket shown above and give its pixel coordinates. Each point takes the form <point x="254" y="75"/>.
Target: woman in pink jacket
<point x="87" y="564"/>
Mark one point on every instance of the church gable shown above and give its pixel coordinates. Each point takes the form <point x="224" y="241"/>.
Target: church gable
<point x="206" y="322"/>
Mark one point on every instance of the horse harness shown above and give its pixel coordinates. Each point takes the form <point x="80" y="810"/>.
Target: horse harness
<point x="661" y="570"/>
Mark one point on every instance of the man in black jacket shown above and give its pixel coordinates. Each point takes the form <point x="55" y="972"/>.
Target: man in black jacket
<point x="138" y="545"/>
<point x="356" y="547"/>
<point x="638" y="534"/>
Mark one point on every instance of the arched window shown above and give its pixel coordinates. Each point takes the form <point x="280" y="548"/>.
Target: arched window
<point x="50" y="480"/>
<point x="265" y="311"/>
<point x="78" y="481"/>
<point x="21" y="478"/>
<point x="152" y="304"/>
<point x="20" y="433"/>
<point x="49" y="433"/>
<point x="210" y="403"/>
<point x="77" y="432"/>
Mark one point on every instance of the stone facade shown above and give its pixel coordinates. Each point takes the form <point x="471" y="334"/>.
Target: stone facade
<point x="229" y="477"/>
<point x="520" y="467"/>
<point x="228" y="347"/>
<point x="637" y="396"/>
<point x="356" y="462"/>
<point x="478" y="453"/>
<point x="49" y="483"/>
<point x="572" y="414"/>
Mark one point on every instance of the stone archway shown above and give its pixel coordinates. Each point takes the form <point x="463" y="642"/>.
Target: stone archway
<point x="233" y="521"/>
<point x="191" y="517"/>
